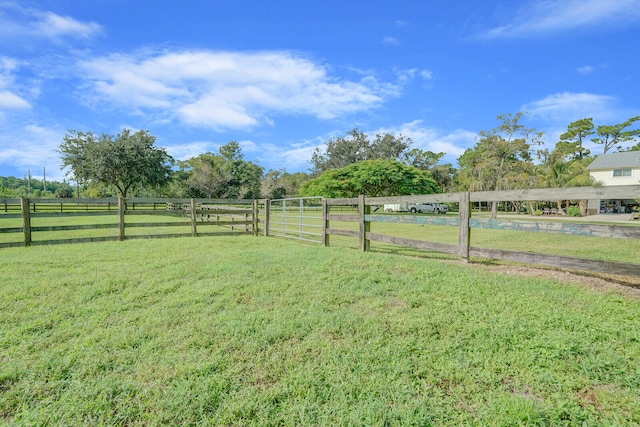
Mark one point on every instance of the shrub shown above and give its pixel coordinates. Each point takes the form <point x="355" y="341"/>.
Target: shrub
<point x="537" y="212"/>
<point x="573" y="211"/>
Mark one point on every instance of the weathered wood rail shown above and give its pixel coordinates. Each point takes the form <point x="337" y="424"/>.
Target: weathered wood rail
<point x="466" y="223"/>
<point x="196" y="215"/>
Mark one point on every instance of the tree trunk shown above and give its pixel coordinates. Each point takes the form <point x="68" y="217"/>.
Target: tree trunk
<point x="494" y="210"/>
<point x="531" y="210"/>
<point x="583" y="207"/>
<point x="560" y="211"/>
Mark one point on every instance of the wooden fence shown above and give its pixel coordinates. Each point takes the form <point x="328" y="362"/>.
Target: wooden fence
<point x="465" y="223"/>
<point x="198" y="216"/>
<point x="201" y="216"/>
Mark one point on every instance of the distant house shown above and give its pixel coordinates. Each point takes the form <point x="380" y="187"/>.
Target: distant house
<point x="615" y="169"/>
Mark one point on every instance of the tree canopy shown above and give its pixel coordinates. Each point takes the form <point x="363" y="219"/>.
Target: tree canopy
<point x="356" y="147"/>
<point x="124" y="161"/>
<point x="572" y="141"/>
<point x="615" y="135"/>
<point x="371" y="178"/>
<point x="501" y="159"/>
<point x="225" y="175"/>
<point x="278" y="184"/>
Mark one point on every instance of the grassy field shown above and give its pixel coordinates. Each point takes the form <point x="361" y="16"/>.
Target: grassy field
<point x="264" y="331"/>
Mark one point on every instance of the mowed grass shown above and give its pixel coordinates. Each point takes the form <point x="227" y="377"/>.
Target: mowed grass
<point x="265" y="331"/>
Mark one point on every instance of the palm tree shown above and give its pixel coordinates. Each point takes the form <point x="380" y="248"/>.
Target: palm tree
<point x="558" y="172"/>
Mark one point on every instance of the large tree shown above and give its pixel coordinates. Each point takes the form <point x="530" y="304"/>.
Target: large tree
<point x="443" y="174"/>
<point x="615" y="135"/>
<point x="356" y="147"/>
<point x="124" y="161"/>
<point x="502" y="158"/>
<point x="572" y="141"/>
<point x="371" y="178"/>
<point x="560" y="169"/>
<point x="278" y="184"/>
<point x="225" y="175"/>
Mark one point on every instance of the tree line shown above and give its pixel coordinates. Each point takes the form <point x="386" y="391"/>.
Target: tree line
<point x="30" y="187"/>
<point x="509" y="156"/>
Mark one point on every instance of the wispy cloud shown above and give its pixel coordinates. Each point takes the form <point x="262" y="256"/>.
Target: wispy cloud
<point x="33" y="147"/>
<point x="19" y="22"/>
<point x="390" y="41"/>
<point x="566" y="107"/>
<point x="228" y="90"/>
<point x="550" y="16"/>
<point x="406" y="75"/>
<point x="9" y="99"/>
<point x="586" y="69"/>
<point x="453" y="143"/>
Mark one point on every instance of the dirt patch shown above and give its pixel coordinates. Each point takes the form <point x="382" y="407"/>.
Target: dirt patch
<point x="601" y="283"/>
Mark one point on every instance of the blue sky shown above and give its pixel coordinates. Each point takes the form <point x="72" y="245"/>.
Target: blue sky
<point x="284" y="76"/>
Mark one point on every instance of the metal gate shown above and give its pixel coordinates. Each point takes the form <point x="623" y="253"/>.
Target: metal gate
<point x="296" y="218"/>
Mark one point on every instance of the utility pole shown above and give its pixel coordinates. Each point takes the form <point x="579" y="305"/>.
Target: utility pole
<point x="44" y="181"/>
<point x="29" y="182"/>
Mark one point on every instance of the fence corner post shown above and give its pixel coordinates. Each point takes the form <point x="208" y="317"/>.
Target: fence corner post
<point x="122" y="207"/>
<point x="325" y="222"/>
<point x="365" y="226"/>
<point x="26" y="221"/>
<point x="464" y="235"/>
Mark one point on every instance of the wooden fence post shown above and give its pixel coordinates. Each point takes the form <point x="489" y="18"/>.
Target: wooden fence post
<point x="267" y="216"/>
<point x="464" y="235"/>
<point x="255" y="217"/>
<point x="194" y="230"/>
<point x="122" y="207"/>
<point x="325" y="223"/>
<point x="365" y="226"/>
<point x="26" y="221"/>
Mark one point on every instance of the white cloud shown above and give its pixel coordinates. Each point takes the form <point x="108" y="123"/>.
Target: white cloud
<point x="548" y="16"/>
<point x="453" y="143"/>
<point x="189" y="150"/>
<point x="426" y="74"/>
<point x="586" y="69"/>
<point x="51" y="25"/>
<point x="566" y="107"/>
<point x="32" y="147"/>
<point x="390" y="41"/>
<point x="227" y="90"/>
<point x="8" y="98"/>
<point x="406" y="75"/>
<point x="18" y="21"/>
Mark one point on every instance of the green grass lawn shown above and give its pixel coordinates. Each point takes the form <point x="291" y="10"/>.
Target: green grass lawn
<point x="265" y="331"/>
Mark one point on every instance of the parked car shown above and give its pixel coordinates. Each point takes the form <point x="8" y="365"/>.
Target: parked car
<point x="435" y="208"/>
